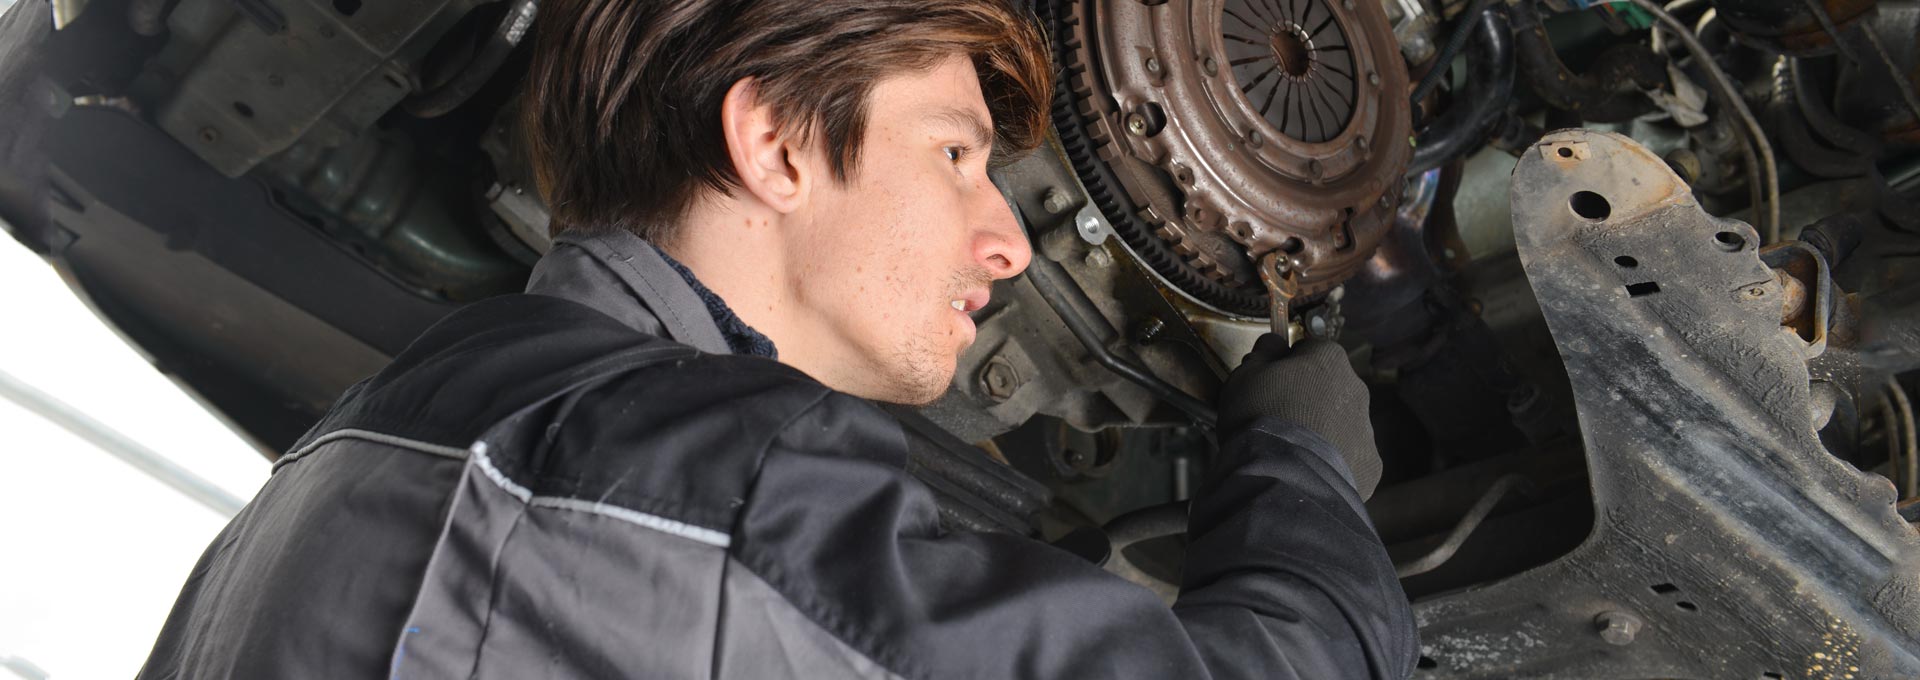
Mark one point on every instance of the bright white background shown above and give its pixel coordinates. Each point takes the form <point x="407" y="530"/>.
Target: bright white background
<point x="92" y="552"/>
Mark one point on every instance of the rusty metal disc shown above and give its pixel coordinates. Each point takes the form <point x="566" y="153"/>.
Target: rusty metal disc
<point x="1213" y="132"/>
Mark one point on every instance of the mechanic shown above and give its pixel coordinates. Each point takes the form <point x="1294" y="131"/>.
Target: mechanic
<point x="664" y="461"/>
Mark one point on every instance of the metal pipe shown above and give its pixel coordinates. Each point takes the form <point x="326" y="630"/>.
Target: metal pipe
<point x="120" y="446"/>
<point x="1042" y="274"/>
<point x="1458" y="537"/>
<point x="1759" y="152"/>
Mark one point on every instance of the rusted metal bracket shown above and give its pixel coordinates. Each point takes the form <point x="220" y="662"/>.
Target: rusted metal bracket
<point x="1740" y="546"/>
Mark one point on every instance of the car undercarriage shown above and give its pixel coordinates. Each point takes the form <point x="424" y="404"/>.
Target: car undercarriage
<point x="1632" y="285"/>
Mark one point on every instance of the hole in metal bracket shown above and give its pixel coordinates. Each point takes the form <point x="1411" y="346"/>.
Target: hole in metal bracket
<point x="1642" y="289"/>
<point x="1730" y="241"/>
<point x="1590" y="205"/>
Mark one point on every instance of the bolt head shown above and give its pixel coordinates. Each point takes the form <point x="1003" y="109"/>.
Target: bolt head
<point x="1253" y="139"/>
<point x="1098" y="258"/>
<point x="1212" y="67"/>
<point x="1153" y="66"/>
<point x="1000" y="379"/>
<point x="1136" y="124"/>
<point x="1617" y="628"/>
<point x="1149" y="330"/>
<point x="1373" y="78"/>
<point x="1056" y="201"/>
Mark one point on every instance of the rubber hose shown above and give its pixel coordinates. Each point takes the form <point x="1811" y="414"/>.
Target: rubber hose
<point x="451" y="94"/>
<point x="1464" y="126"/>
<point x="1607" y="93"/>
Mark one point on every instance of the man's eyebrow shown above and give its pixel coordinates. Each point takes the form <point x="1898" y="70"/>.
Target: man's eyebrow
<point x="967" y="122"/>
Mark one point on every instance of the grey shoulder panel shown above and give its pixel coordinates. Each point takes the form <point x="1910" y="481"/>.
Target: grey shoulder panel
<point x="526" y="586"/>
<point x="764" y="636"/>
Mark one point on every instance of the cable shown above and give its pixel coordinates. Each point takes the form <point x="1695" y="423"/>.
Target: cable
<point x="1901" y="435"/>
<point x="1759" y="152"/>
<point x="1900" y="81"/>
<point x="1463" y="27"/>
<point x="1045" y="276"/>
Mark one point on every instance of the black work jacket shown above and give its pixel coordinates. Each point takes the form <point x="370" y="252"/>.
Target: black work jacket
<point x="581" y="482"/>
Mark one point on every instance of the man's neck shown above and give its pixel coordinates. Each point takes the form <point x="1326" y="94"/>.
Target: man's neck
<point x="740" y="256"/>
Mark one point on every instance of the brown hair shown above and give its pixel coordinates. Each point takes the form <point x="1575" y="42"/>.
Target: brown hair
<point x="622" y="101"/>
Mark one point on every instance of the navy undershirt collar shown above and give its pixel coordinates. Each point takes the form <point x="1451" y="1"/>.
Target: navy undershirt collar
<point x="741" y="338"/>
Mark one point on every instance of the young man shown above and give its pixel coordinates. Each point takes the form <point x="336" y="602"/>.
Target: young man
<point x="663" y="462"/>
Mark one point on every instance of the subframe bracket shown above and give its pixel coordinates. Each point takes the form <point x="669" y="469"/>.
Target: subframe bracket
<point x="1727" y="543"/>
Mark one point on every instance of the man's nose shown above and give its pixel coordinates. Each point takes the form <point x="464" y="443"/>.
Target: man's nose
<point x="999" y="243"/>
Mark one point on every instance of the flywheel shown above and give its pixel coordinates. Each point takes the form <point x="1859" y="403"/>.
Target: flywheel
<point x="1211" y="132"/>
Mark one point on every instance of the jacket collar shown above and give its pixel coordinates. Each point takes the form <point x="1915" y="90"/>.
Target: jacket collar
<point x="622" y="276"/>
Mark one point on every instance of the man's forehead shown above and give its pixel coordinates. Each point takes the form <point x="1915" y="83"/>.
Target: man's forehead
<point x="970" y="121"/>
<point x="948" y="94"/>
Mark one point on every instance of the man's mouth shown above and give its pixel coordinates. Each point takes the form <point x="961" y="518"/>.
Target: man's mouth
<point x="972" y="301"/>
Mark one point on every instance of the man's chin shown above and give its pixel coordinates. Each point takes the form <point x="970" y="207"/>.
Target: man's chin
<point x="918" y="394"/>
<point x="916" y="383"/>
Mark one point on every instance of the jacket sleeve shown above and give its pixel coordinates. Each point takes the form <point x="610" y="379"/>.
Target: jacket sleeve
<point x="1284" y="569"/>
<point x="1285" y="577"/>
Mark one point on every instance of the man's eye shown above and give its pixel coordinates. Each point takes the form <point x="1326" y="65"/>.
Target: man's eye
<point x="955" y="153"/>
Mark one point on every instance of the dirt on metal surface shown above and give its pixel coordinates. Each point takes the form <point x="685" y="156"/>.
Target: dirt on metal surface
<point x="1721" y="523"/>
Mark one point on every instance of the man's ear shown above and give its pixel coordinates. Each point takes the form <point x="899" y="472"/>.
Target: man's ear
<point x="766" y="160"/>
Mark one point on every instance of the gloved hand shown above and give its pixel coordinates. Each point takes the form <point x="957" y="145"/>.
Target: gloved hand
<point x="1310" y="384"/>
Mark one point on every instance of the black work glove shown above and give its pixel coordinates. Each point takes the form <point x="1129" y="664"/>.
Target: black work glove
<point x="1312" y="385"/>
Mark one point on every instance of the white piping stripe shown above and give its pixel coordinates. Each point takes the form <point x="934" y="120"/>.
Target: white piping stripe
<point x="377" y="437"/>
<point x="486" y="466"/>
<point x="711" y="537"/>
<point x="655" y="522"/>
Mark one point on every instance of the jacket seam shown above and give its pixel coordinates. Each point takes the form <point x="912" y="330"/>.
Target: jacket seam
<point x="818" y="612"/>
<point x="528" y="498"/>
<point x="414" y="445"/>
<point x="493" y="591"/>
